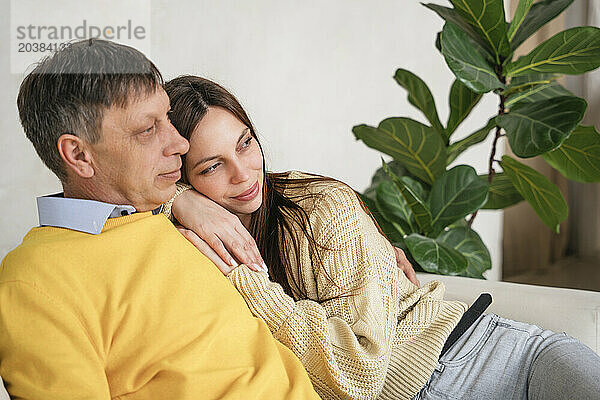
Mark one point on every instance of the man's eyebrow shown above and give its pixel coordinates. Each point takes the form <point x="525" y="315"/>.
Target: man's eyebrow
<point x="142" y="120"/>
<point x="202" y="161"/>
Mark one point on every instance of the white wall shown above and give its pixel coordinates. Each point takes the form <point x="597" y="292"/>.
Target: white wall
<point x="306" y="73"/>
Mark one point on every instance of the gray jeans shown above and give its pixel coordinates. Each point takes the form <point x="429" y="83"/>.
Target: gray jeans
<point x="497" y="358"/>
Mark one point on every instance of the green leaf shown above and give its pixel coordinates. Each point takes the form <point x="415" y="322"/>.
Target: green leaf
<point x="461" y="223"/>
<point x="390" y="230"/>
<point x="468" y="243"/>
<point x="502" y="192"/>
<point x="394" y="207"/>
<point x="466" y="62"/>
<point x="416" y="204"/>
<point x="419" y="96"/>
<point x="536" y="93"/>
<point x="543" y="196"/>
<point x="574" y="51"/>
<point x="539" y="15"/>
<point x="415" y="201"/>
<point x="435" y="257"/>
<point x="417" y="147"/>
<point x="488" y="20"/>
<point x="451" y="15"/>
<point x="578" y="158"/>
<point x="454" y="195"/>
<point x="535" y="128"/>
<point x="525" y="82"/>
<point x="456" y="148"/>
<point x="380" y="176"/>
<point x="522" y="10"/>
<point x="462" y="100"/>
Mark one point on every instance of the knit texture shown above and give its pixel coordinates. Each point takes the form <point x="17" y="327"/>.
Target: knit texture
<point x="133" y="313"/>
<point x="366" y="330"/>
<point x="167" y="208"/>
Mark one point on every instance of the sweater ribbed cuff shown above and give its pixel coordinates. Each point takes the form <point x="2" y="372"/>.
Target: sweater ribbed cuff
<point x="168" y="206"/>
<point x="266" y="299"/>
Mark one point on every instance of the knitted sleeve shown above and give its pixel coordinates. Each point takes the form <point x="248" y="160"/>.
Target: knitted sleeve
<point x="168" y="206"/>
<point x="344" y="338"/>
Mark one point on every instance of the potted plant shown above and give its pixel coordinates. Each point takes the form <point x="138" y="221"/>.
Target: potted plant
<point x="418" y="200"/>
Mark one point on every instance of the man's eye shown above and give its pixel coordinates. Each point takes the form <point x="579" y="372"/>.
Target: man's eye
<point x="149" y="130"/>
<point x="210" y="169"/>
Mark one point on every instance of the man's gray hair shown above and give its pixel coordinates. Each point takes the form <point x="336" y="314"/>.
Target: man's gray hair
<point x="68" y="92"/>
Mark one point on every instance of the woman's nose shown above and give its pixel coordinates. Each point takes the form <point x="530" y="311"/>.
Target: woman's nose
<point x="239" y="173"/>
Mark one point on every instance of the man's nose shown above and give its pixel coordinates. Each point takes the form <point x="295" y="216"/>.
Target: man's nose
<point x="176" y="144"/>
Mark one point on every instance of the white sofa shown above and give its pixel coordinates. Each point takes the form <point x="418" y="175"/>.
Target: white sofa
<point x="576" y="312"/>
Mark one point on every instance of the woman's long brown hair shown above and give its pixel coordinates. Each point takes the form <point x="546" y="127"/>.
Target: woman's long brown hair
<point x="191" y="97"/>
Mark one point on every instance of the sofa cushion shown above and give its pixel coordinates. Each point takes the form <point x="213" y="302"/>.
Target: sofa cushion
<point x="576" y="312"/>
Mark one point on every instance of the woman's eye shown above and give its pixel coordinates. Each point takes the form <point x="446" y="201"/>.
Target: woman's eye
<point x="210" y="169"/>
<point x="247" y="142"/>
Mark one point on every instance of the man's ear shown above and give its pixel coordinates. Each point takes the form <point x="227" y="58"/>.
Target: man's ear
<point x="74" y="152"/>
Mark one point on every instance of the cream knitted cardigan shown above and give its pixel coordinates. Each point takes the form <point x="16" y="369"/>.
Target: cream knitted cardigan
<point x="383" y="341"/>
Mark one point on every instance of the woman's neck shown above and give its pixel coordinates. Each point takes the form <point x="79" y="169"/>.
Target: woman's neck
<point x="245" y="219"/>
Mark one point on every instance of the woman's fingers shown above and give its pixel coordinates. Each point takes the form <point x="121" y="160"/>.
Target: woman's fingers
<point x="209" y="252"/>
<point x="218" y="247"/>
<point x="412" y="275"/>
<point x="222" y="230"/>
<point x="406" y="266"/>
<point x="249" y="245"/>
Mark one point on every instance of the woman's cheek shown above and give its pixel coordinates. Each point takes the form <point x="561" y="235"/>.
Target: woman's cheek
<point x="206" y="186"/>
<point x="256" y="159"/>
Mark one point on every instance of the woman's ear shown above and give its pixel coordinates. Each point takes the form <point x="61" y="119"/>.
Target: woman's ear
<point x="75" y="154"/>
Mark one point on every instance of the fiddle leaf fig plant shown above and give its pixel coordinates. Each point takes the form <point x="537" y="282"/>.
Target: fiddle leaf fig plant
<point x="427" y="207"/>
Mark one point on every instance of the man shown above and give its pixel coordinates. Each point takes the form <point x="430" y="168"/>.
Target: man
<point x="106" y="299"/>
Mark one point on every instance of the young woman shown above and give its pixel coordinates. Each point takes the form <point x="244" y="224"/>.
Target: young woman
<point x="333" y="293"/>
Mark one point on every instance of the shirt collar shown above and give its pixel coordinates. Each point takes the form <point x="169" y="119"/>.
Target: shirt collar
<point x="78" y="214"/>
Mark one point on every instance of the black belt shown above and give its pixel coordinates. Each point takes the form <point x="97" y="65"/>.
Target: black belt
<point x="468" y="318"/>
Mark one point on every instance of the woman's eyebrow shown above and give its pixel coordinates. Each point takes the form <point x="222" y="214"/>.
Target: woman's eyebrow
<point x="243" y="134"/>
<point x="202" y="161"/>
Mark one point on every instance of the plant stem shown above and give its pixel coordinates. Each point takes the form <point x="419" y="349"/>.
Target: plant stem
<point x="499" y="134"/>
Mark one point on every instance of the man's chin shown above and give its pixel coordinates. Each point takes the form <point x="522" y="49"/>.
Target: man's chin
<point x="159" y="198"/>
<point x="167" y="194"/>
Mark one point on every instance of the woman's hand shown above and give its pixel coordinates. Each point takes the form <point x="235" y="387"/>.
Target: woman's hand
<point x="406" y="266"/>
<point x="219" y="229"/>
<point x="210" y="253"/>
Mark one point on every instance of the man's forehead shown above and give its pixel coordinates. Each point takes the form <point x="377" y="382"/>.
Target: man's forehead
<point x="140" y="107"/>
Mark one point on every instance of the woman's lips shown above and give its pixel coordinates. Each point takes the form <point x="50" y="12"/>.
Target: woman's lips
<point x="248" y="194"/>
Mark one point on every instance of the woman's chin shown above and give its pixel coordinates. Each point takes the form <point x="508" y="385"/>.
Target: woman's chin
<point x="246" y="209"/>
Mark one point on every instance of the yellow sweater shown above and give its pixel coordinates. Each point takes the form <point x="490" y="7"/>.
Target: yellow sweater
<point x="133" y="313"/>
<point x="385" y="339"/>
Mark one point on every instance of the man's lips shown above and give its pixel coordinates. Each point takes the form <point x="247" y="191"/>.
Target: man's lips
<point x="173" y="175"/>
<point x="248" y="194"/>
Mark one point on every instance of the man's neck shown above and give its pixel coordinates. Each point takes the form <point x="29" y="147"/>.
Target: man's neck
<point x="84" y="192"/>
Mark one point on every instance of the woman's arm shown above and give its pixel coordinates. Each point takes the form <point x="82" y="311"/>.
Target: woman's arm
<point x="344" y="342"/>
<point x="221" y="230"/>
<point x="210" y="226"/>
